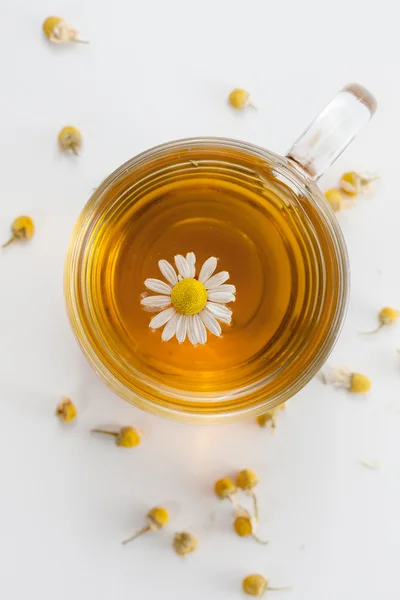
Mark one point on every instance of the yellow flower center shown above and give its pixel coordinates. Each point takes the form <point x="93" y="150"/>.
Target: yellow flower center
<point x="189" y="297"/>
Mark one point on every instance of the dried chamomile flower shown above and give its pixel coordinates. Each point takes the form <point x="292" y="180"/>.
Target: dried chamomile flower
<point x="184" y="543"/>
<point x="66" y="410"/>
<point x="353" y="184"/>
<point x="335" y="199"/>
<point x="57" y="30"/>
<point x="247" y="480"/>
<point x="22" y="228"/>
<point x="157" y="518"/>
<point x="225" y="488"/>
<point x="126" y="437"/>
<point x="269" y="419"/>
<point x="386" y="316"/>
<point x="239" y="99"/>
<point x="70" y="138"/>
<point x="244" y="526"/>
<point x="344" y="377"/>
<point x="257" y="585"/>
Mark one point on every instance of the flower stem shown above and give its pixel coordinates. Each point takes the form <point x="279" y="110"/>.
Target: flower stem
<point x="255" y="504"/>
<point x="105" y="432"/>
<point x="238" y="506"/>
<point x="280" y="589"/>
<point x="374" y="330"/>
<point x="263" y="542"/>
<point x="12" y="239"/>
<point x="137" y="534"/>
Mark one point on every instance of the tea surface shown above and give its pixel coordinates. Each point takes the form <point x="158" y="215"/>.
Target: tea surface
<point x="253" y="236"/>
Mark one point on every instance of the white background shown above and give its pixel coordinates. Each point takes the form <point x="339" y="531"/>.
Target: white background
<point x="155" y="71"/>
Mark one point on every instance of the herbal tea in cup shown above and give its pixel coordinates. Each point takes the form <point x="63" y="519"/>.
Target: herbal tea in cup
<point x="208" y="278"/>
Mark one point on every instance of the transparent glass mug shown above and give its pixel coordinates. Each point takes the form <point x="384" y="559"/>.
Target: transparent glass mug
<point x="309" y="328"/>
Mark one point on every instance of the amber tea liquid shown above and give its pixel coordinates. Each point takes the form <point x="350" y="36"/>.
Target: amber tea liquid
<point x="212" y="202"/>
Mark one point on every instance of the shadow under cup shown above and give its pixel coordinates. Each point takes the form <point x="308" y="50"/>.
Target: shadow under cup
<point x="270" y="227"/>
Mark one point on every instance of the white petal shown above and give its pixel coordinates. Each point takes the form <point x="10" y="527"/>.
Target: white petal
<point x="191" y="258"/>
<point x="217" y="280"/>
<point x="221" y="312"/>
<point x="168" y="271"/>
<point x="156" y="285"/>
<point x="156" y="301"/>
<point x="210" y="322"/>
<point x="208" y="269"/>
<point x="227" y="287"/>
<point x="181" y="328"/>
<point x="223" y="297"/>
<point x="170" y="328"/>
<point x="182" y="265"/>
<point x="190" y="332"/>
<point x="199" y="329"/>
<point x="162" y="318"/>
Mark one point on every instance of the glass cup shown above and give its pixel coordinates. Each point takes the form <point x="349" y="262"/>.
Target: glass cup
<point x="310" y="326"/>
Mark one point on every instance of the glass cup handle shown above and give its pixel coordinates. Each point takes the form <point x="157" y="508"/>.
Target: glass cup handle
<point x="333" y="130"/>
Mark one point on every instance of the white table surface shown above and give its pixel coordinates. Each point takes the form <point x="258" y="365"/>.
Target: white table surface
<point x="157" y="71"/>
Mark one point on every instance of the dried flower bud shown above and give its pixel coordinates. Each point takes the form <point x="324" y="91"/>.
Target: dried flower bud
<point x="344" y="377"/>
<point x="126" y="437"/>
<point x="22" y="229"/>
<point x="244" y="527"/>
<point x="335" y="199"/>
<point x="58" y="31"/>
<point x="387" y="316"/>
<point x="184" y="543"/>
<point x="255" y="585"/>
<point x="269" y="419"/>
<point x="157" y="518"/>
<point x="354" y="184"/>
<point x="239" y="98"/>
<point x="359" y="384"/>
<point x="224" y="488"/>
<point x="246" y="480"/>
<point x="70" y="138"/>
<point x="66" y="410"/>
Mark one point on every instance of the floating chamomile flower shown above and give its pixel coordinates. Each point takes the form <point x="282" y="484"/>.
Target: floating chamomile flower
<point x="190" y="306"/>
